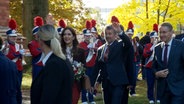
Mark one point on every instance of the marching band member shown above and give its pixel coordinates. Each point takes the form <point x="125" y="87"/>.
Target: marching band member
<point x="98" y="41"/>
<point x="34" y="48"/>
<point x="13" y="51"/>
<point x="149" y="54"/>
<point x="62" y="25"/>
<point x="130" y="33"/>
<point x="90" y="52"/>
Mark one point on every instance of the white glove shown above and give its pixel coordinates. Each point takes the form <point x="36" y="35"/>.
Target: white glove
<point x="152" y="48"/>
<point x="90" y="45"/>
<point x="155" y="41"/>
<point x="22" y="51"/>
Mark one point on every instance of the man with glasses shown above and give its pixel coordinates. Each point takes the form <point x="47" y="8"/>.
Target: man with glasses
<point x="169" y="68"/>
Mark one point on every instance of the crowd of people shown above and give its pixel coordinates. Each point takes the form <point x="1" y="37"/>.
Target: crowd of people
<point x="65" y="69"/>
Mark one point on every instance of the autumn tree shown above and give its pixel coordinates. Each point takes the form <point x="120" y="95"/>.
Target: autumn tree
<point x="156" y="11"/>
<point x="72" y="11"/>
<point x="16" y="12"/>
<point x="23" y="11"/>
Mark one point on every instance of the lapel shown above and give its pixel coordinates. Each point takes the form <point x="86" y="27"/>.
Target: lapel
<point x="111" y="48"/>
<point x="101" y="52"/>
<point x="159" y="54"/>
<point x="172" y="49"/>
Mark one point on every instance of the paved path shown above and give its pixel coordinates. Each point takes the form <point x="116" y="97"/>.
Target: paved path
<point x="26" y="97"/>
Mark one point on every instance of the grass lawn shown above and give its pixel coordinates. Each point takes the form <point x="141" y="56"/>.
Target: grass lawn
<point x="139" y="99"/>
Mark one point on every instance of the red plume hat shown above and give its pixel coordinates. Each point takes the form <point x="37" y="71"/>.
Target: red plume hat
<point x="154" y="33"/>
<point x="93" y="23"/>
<point x="114" y="19"/>
<point x="62" y="25"/>
<point x="12" y="25"/>
<point x="130" y="29"/>
<point x="87" y="30"/>
<point x="38" y="21"/>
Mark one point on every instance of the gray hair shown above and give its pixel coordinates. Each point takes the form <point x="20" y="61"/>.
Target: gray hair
<point x="109" y="27"/>
<point x="49" y="35"/>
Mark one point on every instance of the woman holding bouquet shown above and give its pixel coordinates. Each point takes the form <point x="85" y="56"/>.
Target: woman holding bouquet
<point x="76" y="56"/>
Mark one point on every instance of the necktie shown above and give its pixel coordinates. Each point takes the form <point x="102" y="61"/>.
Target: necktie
<point x="165" y="54"/>
<point x="106" y="53"/>
<point x="40" y="63"/>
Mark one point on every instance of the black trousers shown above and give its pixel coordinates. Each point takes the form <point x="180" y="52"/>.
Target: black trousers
<point x="114" y="94"/>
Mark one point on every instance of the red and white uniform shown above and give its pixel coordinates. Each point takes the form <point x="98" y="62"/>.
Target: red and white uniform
<point x="14" y="55"/>
<point x="147" y="53"/>
<point x="34" y="48"/>
<point x="84" y="45"/>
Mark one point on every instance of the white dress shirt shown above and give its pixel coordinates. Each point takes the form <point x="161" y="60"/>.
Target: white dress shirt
<point x="46" y="58"/>
<point x="168" y="49"/>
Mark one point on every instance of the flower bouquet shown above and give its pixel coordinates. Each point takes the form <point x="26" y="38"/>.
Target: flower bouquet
<point x="79" y="70"/>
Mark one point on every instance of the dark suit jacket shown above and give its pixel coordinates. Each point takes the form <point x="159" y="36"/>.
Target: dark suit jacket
<point x="175" y="78"/>
<point x="180" y="36"/>
<point x="119" y="66"/>
<point x="8" y="81"/>
<point x="53" y="85"/>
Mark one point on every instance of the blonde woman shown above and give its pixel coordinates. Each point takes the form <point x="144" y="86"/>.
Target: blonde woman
<point x="54" y="83"/>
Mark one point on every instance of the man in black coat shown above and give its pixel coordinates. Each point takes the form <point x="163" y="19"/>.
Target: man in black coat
<point x="115" y="60"/>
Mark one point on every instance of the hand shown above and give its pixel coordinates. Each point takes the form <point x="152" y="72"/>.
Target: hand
<point x="90" y="45"/>
<point x="97" y="84"/>
<point x="152" y="48"/>
<point x="50" y="20"/>
<point x="22" y="51"/>
<point x="162" y="73"/>
<point x="155" y="41"/>
<point x="117" y="27"/>
<point x="91" y="90"/>
<point x="129" y="87"/>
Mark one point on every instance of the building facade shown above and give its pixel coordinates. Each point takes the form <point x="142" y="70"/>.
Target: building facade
<point x="4" y="16"/>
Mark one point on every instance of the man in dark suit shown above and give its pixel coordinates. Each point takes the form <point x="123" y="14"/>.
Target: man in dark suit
<point x="9" y="84"/>
<point x="169" y="67"/>
<point x="115" y="60"/>
<point x="53" y="85"/>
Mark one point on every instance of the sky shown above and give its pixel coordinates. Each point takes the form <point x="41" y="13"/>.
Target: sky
<point x="104" y="3"/>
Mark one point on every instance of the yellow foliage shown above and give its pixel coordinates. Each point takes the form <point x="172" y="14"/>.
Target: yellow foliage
<point x="136" y="12"/>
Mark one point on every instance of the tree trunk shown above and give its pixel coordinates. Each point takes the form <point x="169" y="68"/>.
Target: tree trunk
<point x="166" y="10"/>
<point x="147" y="9"/>
<point x="147" y="16"/>
<point x="27" y="19"/>
<point x="158" y="13"/>
<point x="32" y="8"/>
<point x="40" y="8"/>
